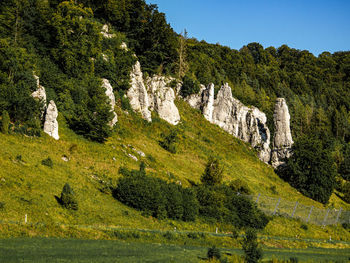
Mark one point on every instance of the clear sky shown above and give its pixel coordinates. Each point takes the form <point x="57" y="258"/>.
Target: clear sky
<point x="314" y="25"/>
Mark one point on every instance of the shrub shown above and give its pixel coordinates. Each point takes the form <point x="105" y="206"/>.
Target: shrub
<point x="252" y="253"/>
<point x="73" y="148"/>
<point x="305" y="227"/>
<point x="346" y="226"/>
<point x="5" y="122"/>
<point x="189" y="86"/>
<point x="47" y="162"/>
<point x="155" y="197"/>
<point x="169" y="141"/>
<point x="346" y="192"/>
<point x="2" y="205"/>
<point x="142" y="169"/>
<point x="214" y="252"/>
<point x="240" y="186"/>
<point x="213" y="172"/>
<point x="293" y="260"/>
<point x="311" y="169"/>
<point x="221" y="203"/>
<point x="169" y="235"/>
<point x="190" y="204"/>
<point x="68" y="199"/>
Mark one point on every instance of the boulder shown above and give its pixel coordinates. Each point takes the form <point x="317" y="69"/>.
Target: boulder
<point x="161" y="99"/>
<point x="110" y="95"/>
<point x="137" y="93"/>
<point x="282" y="140"/>
<point x="51" y="124"/>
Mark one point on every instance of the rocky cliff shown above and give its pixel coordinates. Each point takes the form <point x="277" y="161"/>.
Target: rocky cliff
<point x="161" y="99"/>
<point x="282" y="140"/>
<point x="137" y="93"/>
<point x="51" y="124"/>
<point x="111" y="97"/>
<point x="247" y="124"/>
<point x="158" y="96"/>
<point x="49" y="112"/>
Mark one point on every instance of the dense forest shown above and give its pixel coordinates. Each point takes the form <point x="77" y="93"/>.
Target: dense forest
<point x="60" y="41"/>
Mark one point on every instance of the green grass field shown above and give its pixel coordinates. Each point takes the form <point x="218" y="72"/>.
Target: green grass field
<point x="28" y="187"/>
<point x="68" y="250"/>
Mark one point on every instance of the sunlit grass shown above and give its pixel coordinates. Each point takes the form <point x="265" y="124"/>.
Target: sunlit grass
<point x="28" y="187"/>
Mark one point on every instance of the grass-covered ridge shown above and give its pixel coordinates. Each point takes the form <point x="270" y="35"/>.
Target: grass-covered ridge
<point x="29" y="187"/>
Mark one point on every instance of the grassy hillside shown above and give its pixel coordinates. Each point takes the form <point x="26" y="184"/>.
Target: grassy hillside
<point x="29" y="187"/>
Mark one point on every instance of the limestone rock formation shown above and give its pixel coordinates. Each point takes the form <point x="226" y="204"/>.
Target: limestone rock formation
<point x="51" y="124"/>
<point x="207" y="106"/>
<point x="124" y="46"/>
<point x="195" y="100"/>
<point x="110" y="95"/>
<point x="105" y="32"/>
<point x="137" y="93"/>
<point x="161" y="99"/>
<point x="247" y="124"/>
<point x="282" y="141"/>
<point x="40" y="95"/>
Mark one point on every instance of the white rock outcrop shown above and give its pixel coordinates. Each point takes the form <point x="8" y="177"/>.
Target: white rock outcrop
<point x="105" y="32"/>
<point x="51" y="124"/>
<point x="282" y="140"/>
<point x="40" y="95"/>
<point x="137" y="93"/>
<point x="110" y="95"/>
<point x="247" y="124"/>
<point x="161" y="99"/>
<point x="195" y="100"/>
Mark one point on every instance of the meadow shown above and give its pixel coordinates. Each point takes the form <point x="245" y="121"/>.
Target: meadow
<point x="71" y="250"/>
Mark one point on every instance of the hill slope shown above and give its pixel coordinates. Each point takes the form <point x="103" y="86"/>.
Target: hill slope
<point x="28" y="187"/>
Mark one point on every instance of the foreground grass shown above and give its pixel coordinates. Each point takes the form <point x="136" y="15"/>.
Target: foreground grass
<point x="29" y="188"/>
<point x="70" y="250"/>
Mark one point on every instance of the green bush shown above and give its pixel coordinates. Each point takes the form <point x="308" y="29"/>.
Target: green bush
<point x="311" y="169"/>
<point x="346" y="226"/>
<point x="240" y="186"/>
<point x="68" y="199"/>
<point x="213" y="173"/>
<point x="169" y="235"/>
<point x="346" y="192"/>
<point x="189" y="86"/>
<point x="252" y="253"/>
<point x="220" y="203"/>
<point x="305" y="227"/>
<point x="156" y="197"/>
<point x="169" y="141"/>
<point x="47" y="162"/>
<point x="214" y="252"/>
<point x="5" y="122"/>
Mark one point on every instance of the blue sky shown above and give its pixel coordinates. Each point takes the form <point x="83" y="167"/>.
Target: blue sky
<point x="313" y="25"/>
